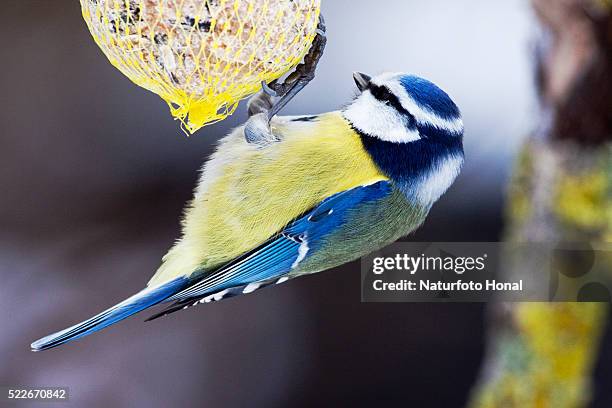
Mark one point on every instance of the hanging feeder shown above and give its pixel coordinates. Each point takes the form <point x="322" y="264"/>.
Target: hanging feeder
<point x="202" y="56"/>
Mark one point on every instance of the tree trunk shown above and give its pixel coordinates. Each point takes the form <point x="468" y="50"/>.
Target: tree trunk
<point x="542" y="354"/>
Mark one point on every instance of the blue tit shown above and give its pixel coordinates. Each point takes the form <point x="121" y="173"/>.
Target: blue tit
<point x="291" y="196"/>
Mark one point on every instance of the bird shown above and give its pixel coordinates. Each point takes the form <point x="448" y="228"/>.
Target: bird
<point x="288" y="196"/>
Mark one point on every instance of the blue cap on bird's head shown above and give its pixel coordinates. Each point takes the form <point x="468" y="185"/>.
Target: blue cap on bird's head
<point x="402" y="108"/>
<point x="430" y="97"/>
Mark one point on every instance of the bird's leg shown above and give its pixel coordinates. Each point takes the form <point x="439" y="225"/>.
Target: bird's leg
<point x="261" y="107"/>
<point x="303" y="74"/>
<point x="261" y="102"/>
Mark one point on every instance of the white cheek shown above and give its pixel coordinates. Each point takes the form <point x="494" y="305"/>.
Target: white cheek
<point x="438" y="180"/>
<point x="377" y="119"/>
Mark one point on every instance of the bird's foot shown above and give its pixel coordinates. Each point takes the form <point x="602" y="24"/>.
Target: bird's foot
<point x="257" y="130"/>
<point x="303" y="73"/>
<point x="262" y="105"/>
<point x="261" y="102"/>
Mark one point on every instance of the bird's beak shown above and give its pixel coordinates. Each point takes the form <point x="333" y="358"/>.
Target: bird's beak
<point x="362" y="80"/>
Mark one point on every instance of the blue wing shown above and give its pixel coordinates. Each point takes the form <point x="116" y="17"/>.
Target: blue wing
<point x="269" y="263"/>
<point x="281" y="254"/>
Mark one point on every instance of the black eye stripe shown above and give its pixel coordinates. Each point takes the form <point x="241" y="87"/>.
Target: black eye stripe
<point x="383" y="94"/>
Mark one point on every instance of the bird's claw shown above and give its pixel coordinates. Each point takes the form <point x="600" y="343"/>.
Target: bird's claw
<point x="293" y="83"/>
<point x="267" y="90"/>
<point x="303" y="73"/>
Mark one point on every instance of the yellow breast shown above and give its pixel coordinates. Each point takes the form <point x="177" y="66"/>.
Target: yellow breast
<point x="247" y="193"/>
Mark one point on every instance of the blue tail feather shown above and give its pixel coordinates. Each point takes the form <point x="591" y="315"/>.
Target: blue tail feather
<point x="137" y="303"/>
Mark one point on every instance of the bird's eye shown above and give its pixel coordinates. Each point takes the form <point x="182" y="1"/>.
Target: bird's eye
<point x="382" y="94"/>
<point x="385" y="96"/>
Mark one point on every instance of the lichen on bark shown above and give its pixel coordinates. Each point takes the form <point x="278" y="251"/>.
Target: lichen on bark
<point x="543" y="354"/>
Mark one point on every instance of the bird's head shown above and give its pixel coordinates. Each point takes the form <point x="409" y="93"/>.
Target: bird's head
<point x="412" y="129"/>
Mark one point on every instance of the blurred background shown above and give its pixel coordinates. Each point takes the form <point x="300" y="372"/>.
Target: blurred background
<point x="94" y="175"/>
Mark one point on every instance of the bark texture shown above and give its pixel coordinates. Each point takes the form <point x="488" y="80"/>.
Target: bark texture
<point x="542" y="355"/>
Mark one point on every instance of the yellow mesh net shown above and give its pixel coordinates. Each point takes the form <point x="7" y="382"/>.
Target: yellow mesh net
<point x="202" y="56"/>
